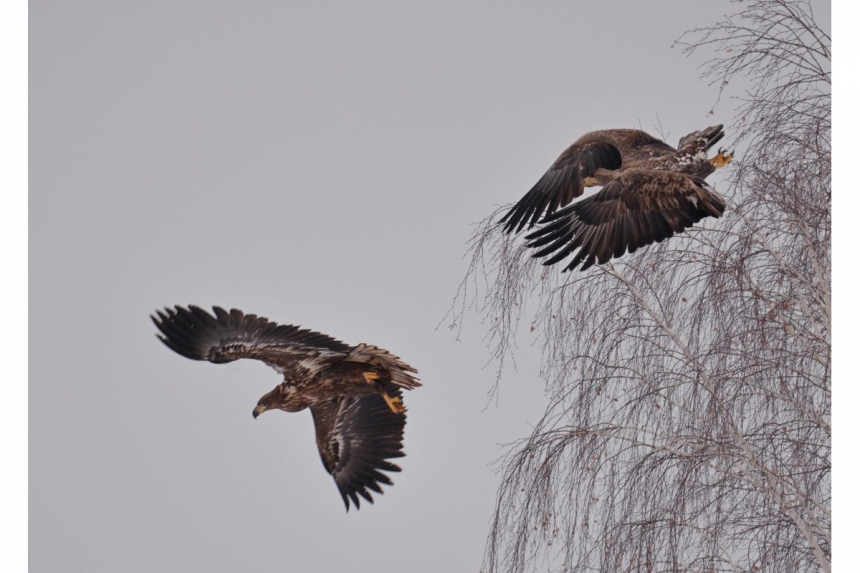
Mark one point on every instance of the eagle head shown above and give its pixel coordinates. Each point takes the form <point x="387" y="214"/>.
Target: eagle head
<point x="284" y="397"/>
<point x="259" y="409"/>
<point x="267" y="402"/>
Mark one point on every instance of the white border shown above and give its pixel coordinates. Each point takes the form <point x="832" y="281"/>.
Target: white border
<point x="13" y="209"/>
<point x="846" y="272"/>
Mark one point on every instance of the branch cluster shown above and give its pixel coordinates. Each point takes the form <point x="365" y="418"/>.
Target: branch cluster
<point x="688" y="426"/>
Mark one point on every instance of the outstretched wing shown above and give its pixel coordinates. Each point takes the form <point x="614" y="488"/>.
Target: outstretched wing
<point x="229" y="336"/>
<point x="399" y="373"/>
<point x="636" y="209"/>
<point x="356" y="437"/>
<point x="563" y="181"/>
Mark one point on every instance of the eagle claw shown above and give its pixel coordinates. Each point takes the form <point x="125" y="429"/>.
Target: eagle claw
<point x="722" y="158"/>
<point x="395" y="403"/>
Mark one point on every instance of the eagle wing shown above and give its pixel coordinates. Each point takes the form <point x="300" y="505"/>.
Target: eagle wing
<point x="564" y="181"/>
<point x="228" y="336"/>
<point x="638" y="208"/>
<point x="356" y="437"/>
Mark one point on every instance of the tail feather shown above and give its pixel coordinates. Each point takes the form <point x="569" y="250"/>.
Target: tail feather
<point x="704" y="138"/>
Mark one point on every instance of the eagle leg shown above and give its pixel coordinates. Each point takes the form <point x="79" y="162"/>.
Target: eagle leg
<point x="722" y="158"/>
<point x="369" y="377"/>
<point x="394" y="402"/>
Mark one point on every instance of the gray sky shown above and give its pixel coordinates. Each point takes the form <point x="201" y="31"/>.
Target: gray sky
<point x="317" y="163"/>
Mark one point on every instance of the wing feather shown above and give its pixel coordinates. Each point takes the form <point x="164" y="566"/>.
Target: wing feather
<point x="356" y="437"/>
<point x="564" y="180"/>
<point x="639" y="207"/>
<point x="228" y="336"/>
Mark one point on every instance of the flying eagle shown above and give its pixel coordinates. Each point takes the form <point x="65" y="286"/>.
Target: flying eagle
<point x="650" y="192"/>
<point x="353" y="392"/>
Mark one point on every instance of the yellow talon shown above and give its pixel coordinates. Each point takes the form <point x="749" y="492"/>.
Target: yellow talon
<point x="369" y="377"/>
<point x="722" y="158"/>
<point x="395" y="403"/>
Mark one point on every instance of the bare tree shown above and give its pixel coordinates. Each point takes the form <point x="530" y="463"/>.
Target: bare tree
<point x="688" y="426"/>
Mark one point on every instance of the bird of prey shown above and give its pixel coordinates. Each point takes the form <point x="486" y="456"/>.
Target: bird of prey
<point x="353" y="392"/>
<point x="650" y="192"/>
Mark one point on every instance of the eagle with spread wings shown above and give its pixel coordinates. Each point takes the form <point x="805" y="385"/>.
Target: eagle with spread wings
<point x="650" y="192"/>
<point x="353" y="392"/>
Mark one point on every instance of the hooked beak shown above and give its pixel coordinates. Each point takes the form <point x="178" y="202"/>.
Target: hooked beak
<point x="259" y="410"/>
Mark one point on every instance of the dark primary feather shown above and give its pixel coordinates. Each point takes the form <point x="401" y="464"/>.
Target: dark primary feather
<point x="356" y="437"/>
<point x="562" y="182"/>
<point x="228" y="336"/>
<point x="638" y="208"/>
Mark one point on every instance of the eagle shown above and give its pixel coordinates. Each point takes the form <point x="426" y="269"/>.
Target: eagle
<point x="650" y="192"/>
<point x="354" y="392"/>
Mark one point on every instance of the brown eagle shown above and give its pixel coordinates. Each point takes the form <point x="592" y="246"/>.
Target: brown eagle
<point x="353" y="392"/>
<point x="650" y="192"/>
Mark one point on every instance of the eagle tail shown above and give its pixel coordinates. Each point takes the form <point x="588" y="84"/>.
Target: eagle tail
<point x="704" y="139"/>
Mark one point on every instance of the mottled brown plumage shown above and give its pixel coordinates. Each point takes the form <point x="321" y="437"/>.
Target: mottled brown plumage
<point x="353" y="392"/>
<point x="650" y="191"/>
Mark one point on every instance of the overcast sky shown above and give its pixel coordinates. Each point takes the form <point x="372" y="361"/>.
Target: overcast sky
<point x="317" y="163"/>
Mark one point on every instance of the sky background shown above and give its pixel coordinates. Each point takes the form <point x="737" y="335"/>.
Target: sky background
<point x="316" y="163"/>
